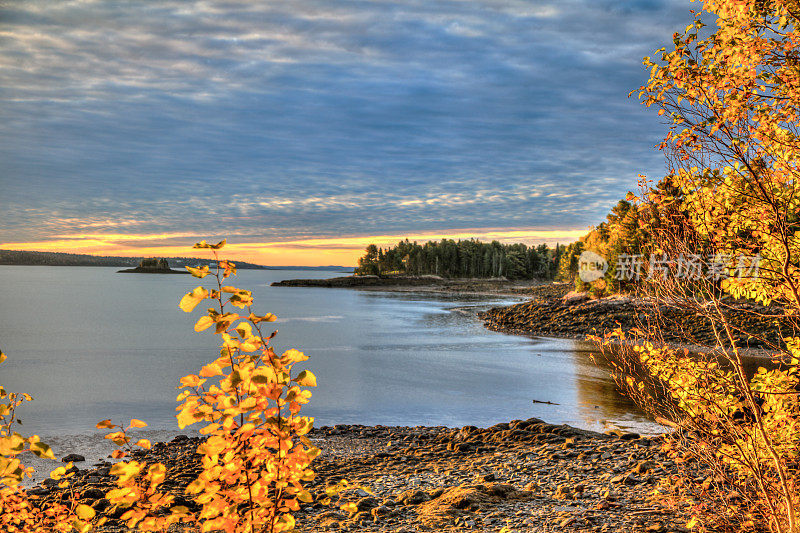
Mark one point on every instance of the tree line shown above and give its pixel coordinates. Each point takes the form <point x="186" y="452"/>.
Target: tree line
<point x="462" y="259"/>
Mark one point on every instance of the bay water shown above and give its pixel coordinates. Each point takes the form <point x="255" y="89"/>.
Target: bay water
<point x="89" y="344"/>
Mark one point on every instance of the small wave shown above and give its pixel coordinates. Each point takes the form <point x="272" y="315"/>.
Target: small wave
<point x="324" y="318"/>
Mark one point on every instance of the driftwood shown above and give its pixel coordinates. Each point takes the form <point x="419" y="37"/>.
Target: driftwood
<point x="546" y="403"/>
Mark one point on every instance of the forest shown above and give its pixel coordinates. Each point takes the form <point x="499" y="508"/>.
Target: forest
<point x="462" y="259"/>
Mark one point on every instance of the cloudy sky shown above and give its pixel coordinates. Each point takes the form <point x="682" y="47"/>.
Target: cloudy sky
<point x="302" y="130"/>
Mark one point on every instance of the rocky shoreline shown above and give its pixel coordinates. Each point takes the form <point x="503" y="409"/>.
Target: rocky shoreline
<point x="553" y="311"/>
<point x="526" y="475"/>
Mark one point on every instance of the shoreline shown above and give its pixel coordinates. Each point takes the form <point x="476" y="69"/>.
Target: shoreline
<point x="427" y="284"/>
<point x="551" y="315"/>
<point x="526" y="475"/>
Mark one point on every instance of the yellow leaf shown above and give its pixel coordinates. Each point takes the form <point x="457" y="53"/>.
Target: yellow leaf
<point x="84" y="512"/>
<point x="306" y="378"/>
<point x="136" y="423"/>
<point x="295" y="356"/>
<point x="58" y="473"/>
<point x="190" y="300"/>
<point x="3" y="357"/>
<point x="42" y="450"/>
<point x="190" y="381"/>
<point x="105" y="424"/>
<point x="211" y="369"/>
<point x="244" y="330"/>
<point x="125" y="471"/>
<point x="199" y="272"/>
<point x="349" y="507"/>
<point x="195" y="486"/>
<point x="118" y="437"/>
<point x="286" y="522"/>
<point x="204" y="323"/>
<point x="269" y="317"/>
<point x="185" y="418"/>
<point x="143" y="443"/>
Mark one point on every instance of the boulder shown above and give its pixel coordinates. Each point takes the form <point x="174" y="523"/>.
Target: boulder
<point x="573" y="298"/>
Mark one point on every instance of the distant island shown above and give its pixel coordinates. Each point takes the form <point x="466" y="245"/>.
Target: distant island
<point x="32" y="258"/>
<point x="152" y="265"/>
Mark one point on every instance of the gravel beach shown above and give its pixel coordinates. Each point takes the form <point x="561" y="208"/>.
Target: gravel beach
<point x="525" y="475"/>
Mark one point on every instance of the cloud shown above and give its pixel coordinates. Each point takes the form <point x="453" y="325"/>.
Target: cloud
<point x="274" y="120"/>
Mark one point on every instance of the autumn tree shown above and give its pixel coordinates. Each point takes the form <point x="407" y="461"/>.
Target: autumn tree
<point x="731" y="97"/>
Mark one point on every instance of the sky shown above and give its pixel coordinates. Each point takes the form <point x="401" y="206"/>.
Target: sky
<point x="304" y="130"/>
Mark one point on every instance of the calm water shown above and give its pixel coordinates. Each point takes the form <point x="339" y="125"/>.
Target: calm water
<point x="89" y="344"/>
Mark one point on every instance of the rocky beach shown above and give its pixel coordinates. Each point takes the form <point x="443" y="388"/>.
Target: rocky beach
<point x="553" y="310"/>
<point x="525" y="476"/>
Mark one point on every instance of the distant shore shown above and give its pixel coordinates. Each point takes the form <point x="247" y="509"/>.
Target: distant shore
<point x="436" y="284"/>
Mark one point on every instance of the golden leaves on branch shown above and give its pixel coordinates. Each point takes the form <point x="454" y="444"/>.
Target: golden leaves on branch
<point x="203" y="244"/>
<point x="255" y="457"/>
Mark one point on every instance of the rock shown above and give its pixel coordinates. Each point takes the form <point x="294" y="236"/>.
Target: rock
<point x="380" y="511"/>
<point x="644" y="466"/>
<point x="564" y="492"/>
<point x="365" y="504"/>
<point x="93" y="494"/>
<point x="573" y="298"/>
<point x="73" y="458"/>
<point x="414" y="497"/>
<point x="363" y="517"/>
<point x="500" y="490"/>
<point x="628" y="479"/>
<point x="101" y="505"/>
<point x="418" y="485"/>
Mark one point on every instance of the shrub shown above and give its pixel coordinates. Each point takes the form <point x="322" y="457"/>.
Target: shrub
<point x="255" y="457"/>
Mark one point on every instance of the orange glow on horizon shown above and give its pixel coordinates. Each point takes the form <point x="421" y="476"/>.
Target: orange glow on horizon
<point x="343" y="251"/>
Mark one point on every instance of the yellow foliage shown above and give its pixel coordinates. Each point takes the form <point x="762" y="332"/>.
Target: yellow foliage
<point x="732" y="96"/>
<point x="255" y="458"/>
